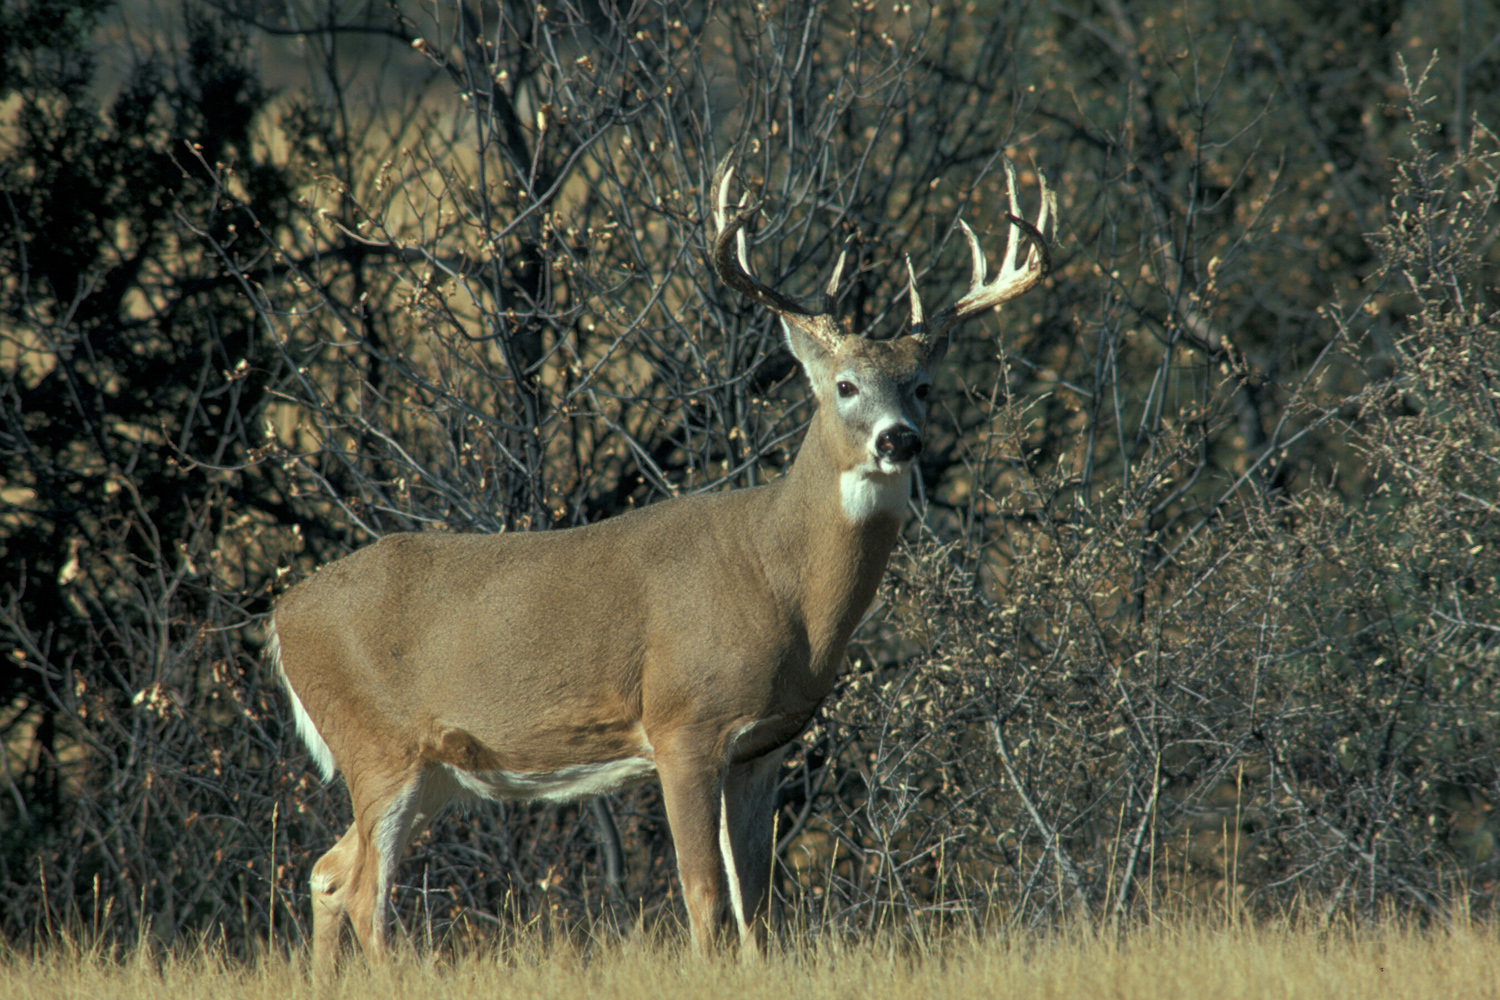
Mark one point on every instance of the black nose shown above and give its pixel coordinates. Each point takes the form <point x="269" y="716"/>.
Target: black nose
<point x="899" y="443"/>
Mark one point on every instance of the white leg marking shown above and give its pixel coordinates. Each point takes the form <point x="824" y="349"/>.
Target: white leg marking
<point x="726" y="850"/>
<point x="390" y="842"/>
<point x="311" y="738"/>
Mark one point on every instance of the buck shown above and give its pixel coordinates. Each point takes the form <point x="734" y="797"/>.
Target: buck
<point x="687" y="642"/>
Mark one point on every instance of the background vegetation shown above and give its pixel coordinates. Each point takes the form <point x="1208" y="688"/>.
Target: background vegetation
<point x="1198" y="601"/>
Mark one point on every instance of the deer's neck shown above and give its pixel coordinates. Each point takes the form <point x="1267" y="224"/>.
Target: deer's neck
<point x="826" y="563"/>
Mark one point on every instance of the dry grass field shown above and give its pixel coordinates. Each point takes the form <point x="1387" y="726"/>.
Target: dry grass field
<point x="1172" y="959"/>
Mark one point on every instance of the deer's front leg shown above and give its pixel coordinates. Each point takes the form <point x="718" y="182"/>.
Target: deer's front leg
<point x="745" y="831"/>
<point x="691" y="787"/>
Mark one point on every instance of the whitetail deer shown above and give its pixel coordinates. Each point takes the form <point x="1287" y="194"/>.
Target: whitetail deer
<point x="689" y="641"/>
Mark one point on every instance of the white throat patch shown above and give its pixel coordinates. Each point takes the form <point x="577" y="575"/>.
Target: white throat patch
<point x="866" y="491"/>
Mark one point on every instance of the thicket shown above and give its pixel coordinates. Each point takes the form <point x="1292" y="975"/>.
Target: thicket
<point x="1198" y="597"/>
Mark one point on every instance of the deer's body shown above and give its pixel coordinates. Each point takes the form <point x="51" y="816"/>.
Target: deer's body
<point x="687" y="642"/>
<point x="742" y="624"/>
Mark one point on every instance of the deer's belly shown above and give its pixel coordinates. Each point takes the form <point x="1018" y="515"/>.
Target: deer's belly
<point x="561" y="785"/>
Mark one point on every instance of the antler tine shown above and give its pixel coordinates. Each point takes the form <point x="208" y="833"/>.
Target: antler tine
<point x="1019" y="272"/>
<point x="723" y="226"/>
<point x="918" y="327"/>
<point x="832" y="288"/>
<point x="731" y="264"/>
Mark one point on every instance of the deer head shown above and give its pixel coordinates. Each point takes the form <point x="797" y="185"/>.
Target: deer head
<point x="872" y="394"/>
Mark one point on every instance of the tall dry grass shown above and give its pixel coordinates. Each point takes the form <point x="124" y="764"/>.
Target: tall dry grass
<point x="1173" y="958"/>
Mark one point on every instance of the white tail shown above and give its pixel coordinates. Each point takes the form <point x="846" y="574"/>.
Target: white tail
<point x="688" y="642"/>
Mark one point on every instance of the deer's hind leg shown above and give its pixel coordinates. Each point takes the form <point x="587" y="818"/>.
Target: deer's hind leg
<point x="353" y="879"/>
<point x="330" y="881"/>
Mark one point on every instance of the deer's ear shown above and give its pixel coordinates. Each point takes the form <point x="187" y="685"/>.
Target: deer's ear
<point x="804" y="346"/>
<point x="933" y="350"/>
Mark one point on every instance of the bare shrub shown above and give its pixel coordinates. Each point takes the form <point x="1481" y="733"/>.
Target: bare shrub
<point x="1284" y="696"/>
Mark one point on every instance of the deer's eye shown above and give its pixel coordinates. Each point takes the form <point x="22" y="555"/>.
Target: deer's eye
<point x="924" y="390"/>
<point x="847" y="389"/>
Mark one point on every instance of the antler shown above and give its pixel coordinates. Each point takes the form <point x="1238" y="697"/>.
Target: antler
<point x="1018" y="273"/>
<point x="729" y="262"/>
